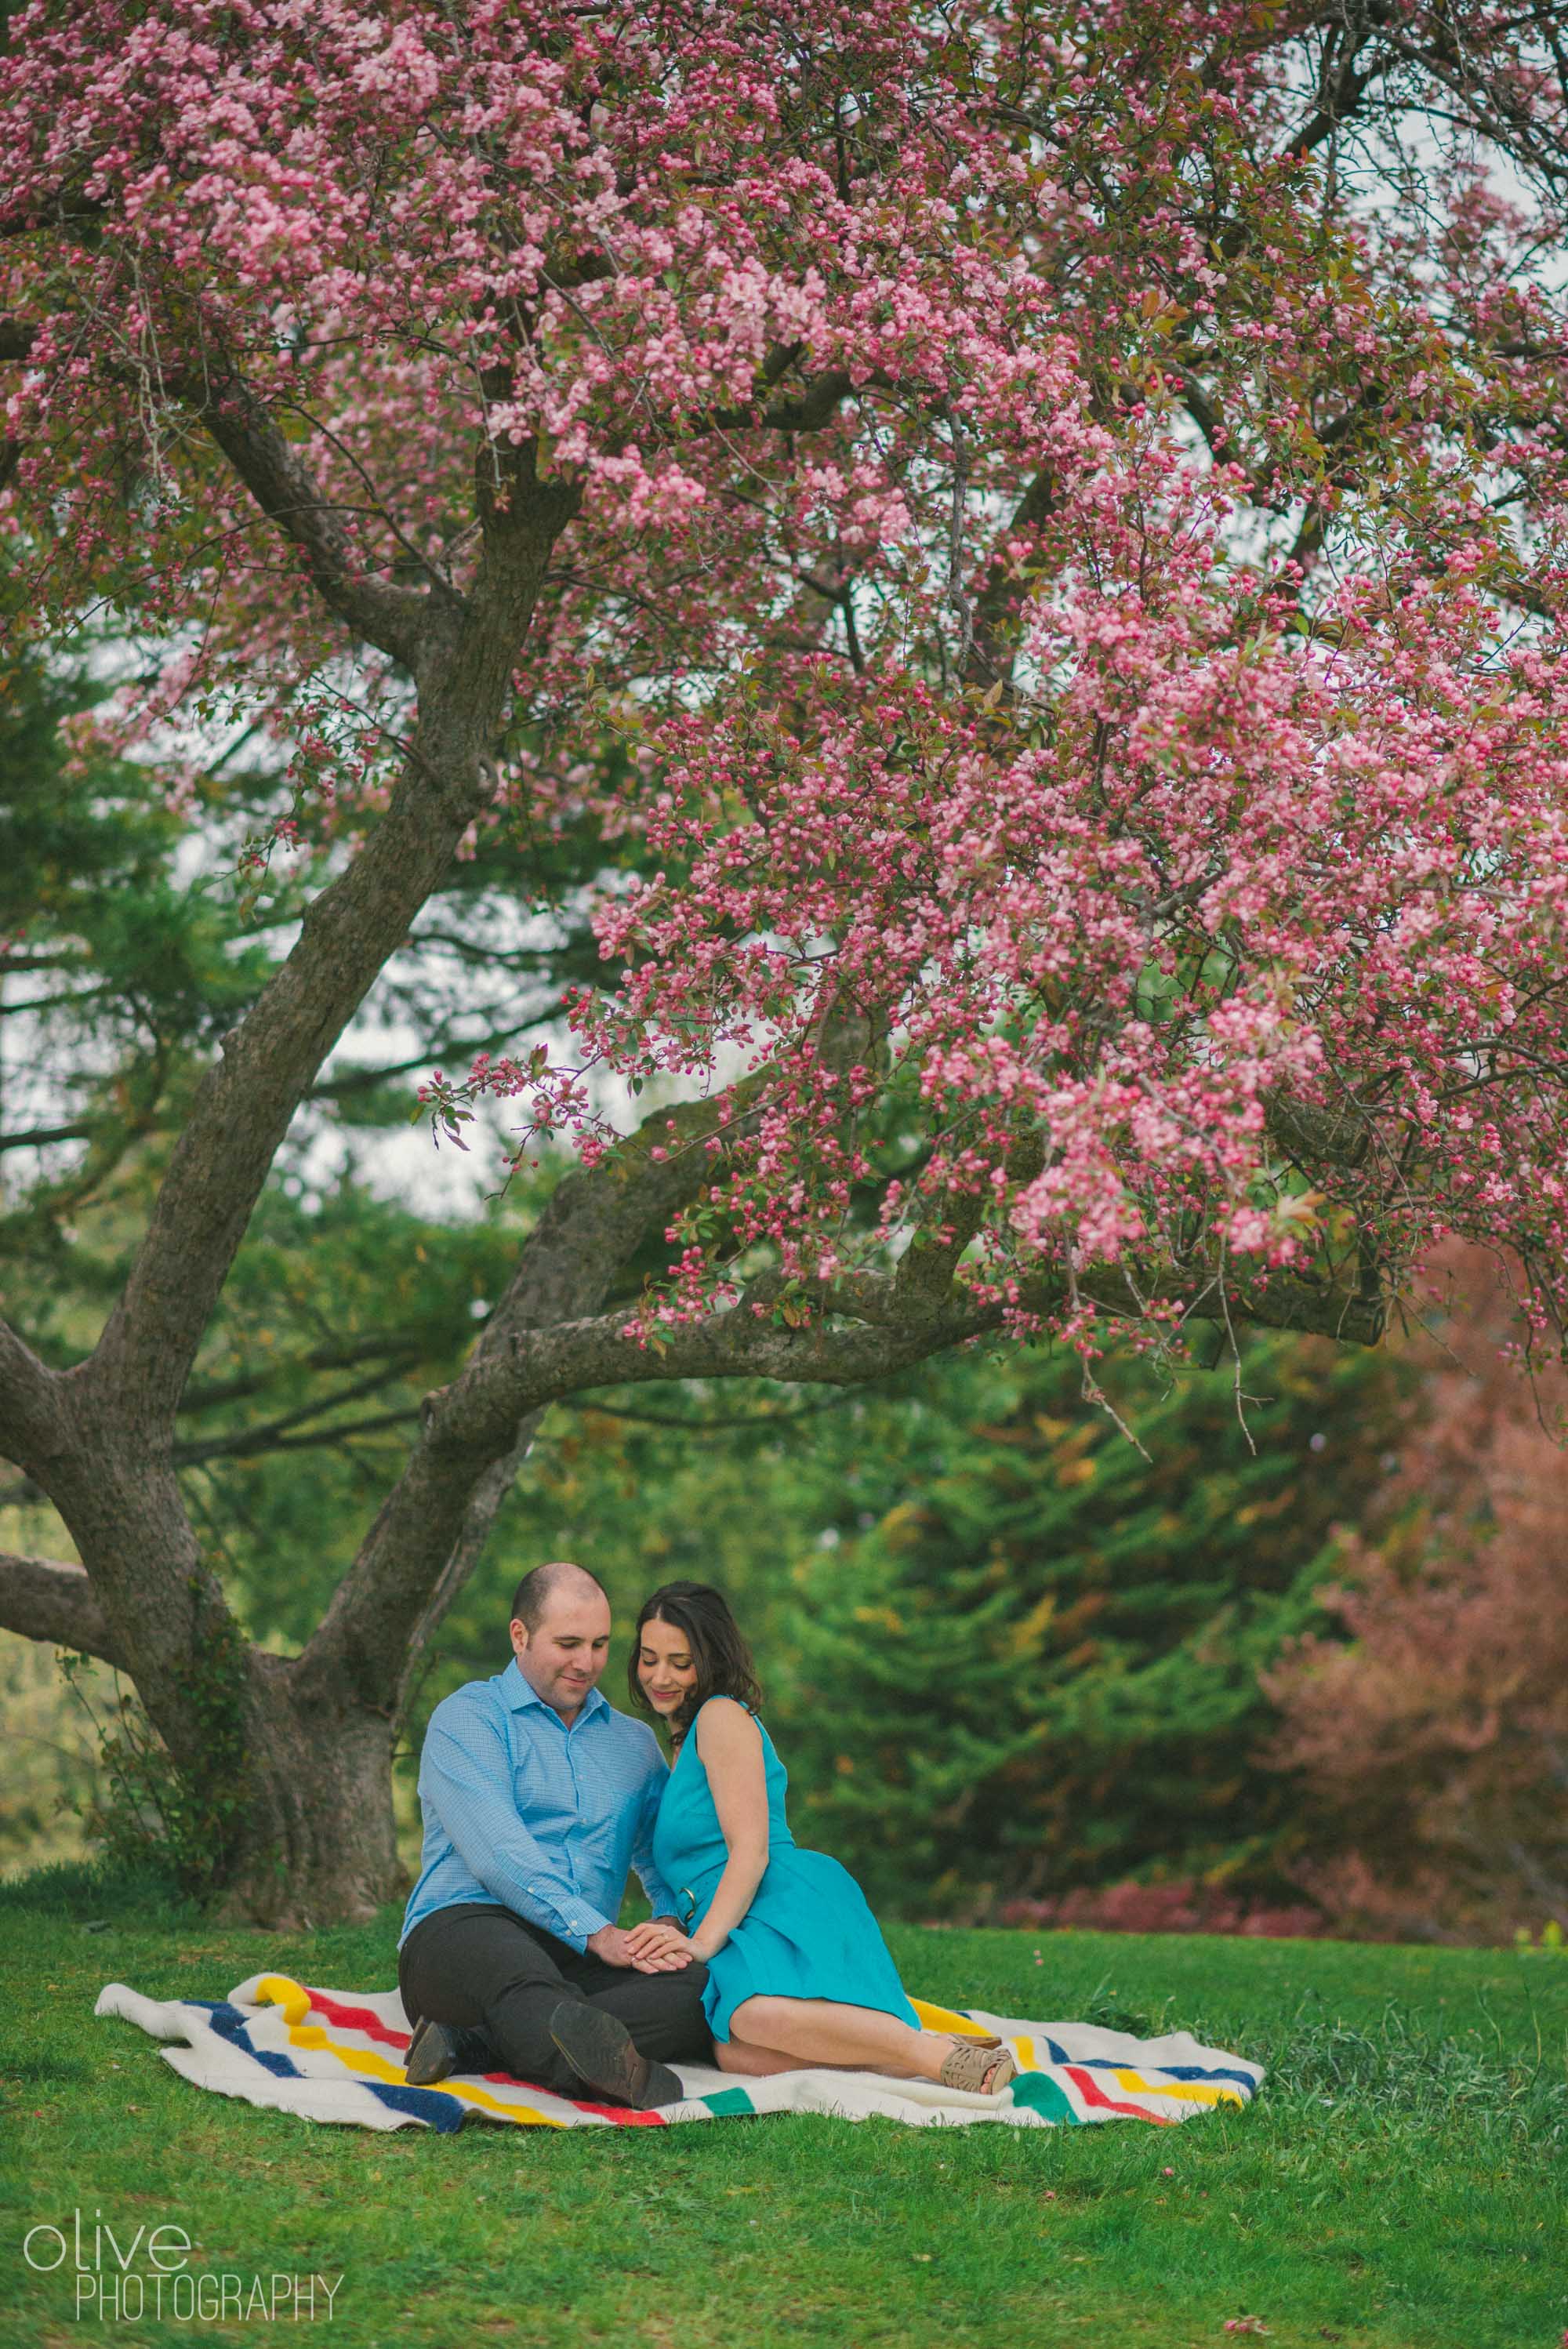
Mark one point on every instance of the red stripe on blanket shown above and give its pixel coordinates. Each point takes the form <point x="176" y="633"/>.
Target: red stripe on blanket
<point x="1093" y="2093"/>
<point x="364" y="2019"/>
<point x="621" y="2115"/>
<point x="357" y="2018"/>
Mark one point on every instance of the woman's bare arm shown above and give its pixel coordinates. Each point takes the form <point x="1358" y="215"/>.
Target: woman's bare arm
<point x="730" y="1745"/>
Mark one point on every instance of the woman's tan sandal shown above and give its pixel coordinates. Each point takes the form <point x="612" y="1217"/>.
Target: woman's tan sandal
<point x="982" y="2067"/>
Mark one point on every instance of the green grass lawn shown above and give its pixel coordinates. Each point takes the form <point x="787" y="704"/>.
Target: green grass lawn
<point x="1400" y="2180"/>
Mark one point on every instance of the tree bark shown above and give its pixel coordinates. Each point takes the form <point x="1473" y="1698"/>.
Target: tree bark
<point x="46" y="1599"/>
<point x="315" y="1839"/>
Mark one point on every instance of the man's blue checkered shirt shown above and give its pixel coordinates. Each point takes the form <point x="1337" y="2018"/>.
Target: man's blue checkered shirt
<point x="539" y="1818"/>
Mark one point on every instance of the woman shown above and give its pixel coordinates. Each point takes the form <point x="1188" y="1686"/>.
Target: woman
<point x="798" y="1975"/>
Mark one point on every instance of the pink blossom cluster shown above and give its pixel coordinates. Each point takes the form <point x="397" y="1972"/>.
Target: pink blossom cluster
<point x="1285" y="872"/>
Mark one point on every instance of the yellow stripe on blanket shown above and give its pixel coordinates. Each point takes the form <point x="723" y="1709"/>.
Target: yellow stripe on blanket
<point x="524" y="2115"/>
<point x="942" y="2018"/>
<point x="1187" y="2092"/>
<point x="294" y="2004"/>
<point x="291" y="2002"/>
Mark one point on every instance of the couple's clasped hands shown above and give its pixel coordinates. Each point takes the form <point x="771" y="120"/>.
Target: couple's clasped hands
<point x="659" y="1947"/>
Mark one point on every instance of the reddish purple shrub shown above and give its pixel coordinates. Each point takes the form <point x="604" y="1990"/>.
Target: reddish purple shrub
<point x="1185" y="1904"/>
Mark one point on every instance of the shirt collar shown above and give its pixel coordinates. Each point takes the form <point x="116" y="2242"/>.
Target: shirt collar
<point x="518" y="1694"/>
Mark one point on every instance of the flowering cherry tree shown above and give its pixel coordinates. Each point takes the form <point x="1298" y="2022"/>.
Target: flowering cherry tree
<point x="1036" y="533"/>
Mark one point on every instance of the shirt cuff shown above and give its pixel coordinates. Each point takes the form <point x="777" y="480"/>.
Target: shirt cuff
<point x="579" y="1925"/>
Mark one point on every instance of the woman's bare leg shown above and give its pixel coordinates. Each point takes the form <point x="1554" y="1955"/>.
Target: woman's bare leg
<point x="812" y="2031"/>
<point x="743" y="2057"/>
<point x="752" y="2062"/>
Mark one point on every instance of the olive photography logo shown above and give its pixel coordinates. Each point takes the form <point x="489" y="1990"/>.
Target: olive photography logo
<point x="118" y="2275"/>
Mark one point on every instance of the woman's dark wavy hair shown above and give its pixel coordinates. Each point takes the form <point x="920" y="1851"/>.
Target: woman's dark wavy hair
<point x="723" y="1659"/>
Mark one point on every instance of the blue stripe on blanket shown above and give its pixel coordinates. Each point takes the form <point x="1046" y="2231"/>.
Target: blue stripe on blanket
<point x="1247" y="2080"/>
<point x="443" y="2113"/>
<point x="230" y="2024"/>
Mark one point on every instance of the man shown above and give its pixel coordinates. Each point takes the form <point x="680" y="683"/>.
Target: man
<point x="536" y="1796"/>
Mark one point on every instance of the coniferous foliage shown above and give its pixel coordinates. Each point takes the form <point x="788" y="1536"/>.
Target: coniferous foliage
<point x="1039" y="1670"/>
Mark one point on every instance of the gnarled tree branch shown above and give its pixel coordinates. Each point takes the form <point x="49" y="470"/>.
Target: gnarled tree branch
<point x="1343" y="83"/>
<point x="868" y="1339"/>
<point x="45" y="1598"/>
<point x="866" y="1326"/>
<point x="999" y="598"/>
<point x="402" y="621"/>
<point x="33" y="1420"/>
<point x="267" y="1065"/>
<point x="412" y="1559"/>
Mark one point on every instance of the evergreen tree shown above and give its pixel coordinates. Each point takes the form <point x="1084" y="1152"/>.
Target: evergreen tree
<point x="1039" y="1668"/>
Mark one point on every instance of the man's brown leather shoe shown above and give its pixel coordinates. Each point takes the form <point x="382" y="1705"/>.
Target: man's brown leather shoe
<point x="438" y="2049"/>
<point x="603" y="2053"/>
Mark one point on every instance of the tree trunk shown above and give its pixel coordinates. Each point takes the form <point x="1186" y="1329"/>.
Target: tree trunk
<point x="313" y="1834"/>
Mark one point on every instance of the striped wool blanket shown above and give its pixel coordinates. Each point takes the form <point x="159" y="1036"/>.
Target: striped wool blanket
<point x="337" y="2055"/>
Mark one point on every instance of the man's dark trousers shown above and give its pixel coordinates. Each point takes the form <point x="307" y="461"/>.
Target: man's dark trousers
<point x="482" y="1969"/>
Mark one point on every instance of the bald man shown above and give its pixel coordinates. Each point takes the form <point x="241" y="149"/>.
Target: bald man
<point x="537" y="1796"/>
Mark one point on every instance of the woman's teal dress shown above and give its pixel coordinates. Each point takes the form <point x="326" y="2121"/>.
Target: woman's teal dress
<point x="808" y="1932"/>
